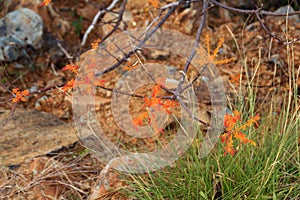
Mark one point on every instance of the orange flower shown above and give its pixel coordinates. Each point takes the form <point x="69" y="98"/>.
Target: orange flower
<point x="154" y="3"/>
<point x="168" y="104"/>
<point x="70" y="84"/>
<point x="233" y="130"/>
<point x="255" y="119"/>
<point x="252" y="120"/>
<point x="231" y="120"/>
<point x="19" y="95"/>
<point x="235" y="79"/>
<point x="223" y="137"/>
<point x="95" y="44"/>
<point x="215" y="52"/>
<point x="72" y="68"/>
<point x="150" y="102"/>
<point x="229" y="147"/>
<point x="154" y="103"/>
<point x="45" y="3"/>
<point x="156" y="90"/>
<point x="243" y="139"/>
<point x="141" y="119"/>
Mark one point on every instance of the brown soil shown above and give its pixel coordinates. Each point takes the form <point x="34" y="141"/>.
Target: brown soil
<point x="40" y="154"/>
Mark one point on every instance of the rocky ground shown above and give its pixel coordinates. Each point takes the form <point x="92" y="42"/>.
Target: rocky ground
<point x="37" y="167"/>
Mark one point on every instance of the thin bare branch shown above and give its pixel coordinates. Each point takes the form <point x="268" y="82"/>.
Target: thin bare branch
<point x="257" y="11"/>
<point x="99" y="13"/>
<point x="138" y="46"/>
<point x="193" y="53"/>
<point x="121" y="12"/>
<point x="266" y="29"/>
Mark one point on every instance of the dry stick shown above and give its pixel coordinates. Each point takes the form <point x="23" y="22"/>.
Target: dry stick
<point x="134" y="95"/>
<point x="267" y="30"/>
<point x="69" y="57"/>
<point x="132" y="52"/>
<point x="49" y="88"/>
<point x="6" y="74"/>
<point x="121" y="12"/>
<point x="169" y="5"/>
<point x="2" y="123"/>
<point x="5" y="88"/>
<point x="192" y="115"/>
<point x="142" y="64"/>
<point x="178" y="3"/>
<point x="194" y="80"/>
<point x="7" y="100"/>
<point x="196" y="118"/>
<point x="12" y="112"/>
<point x="120" y="92"/>
<point x="152" y="78"/>
<point x="125" y="93"/>
<point x="146" y="29"/>
<point x="138" y="45"/>
<point x="259" y="11"/>
<point x="119" y="48"/>
<point x="112" y="55"/>
<point x="188" y="62"/>
<point x="201" y="26"/>
<point x="99" y="13"/>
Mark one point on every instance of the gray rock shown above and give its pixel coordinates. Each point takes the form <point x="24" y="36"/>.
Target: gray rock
<point x="287" y="9"/>
<point x="19" y="29"/>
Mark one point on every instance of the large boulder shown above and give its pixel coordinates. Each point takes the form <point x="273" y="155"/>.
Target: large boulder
<point x="19" y="29"/>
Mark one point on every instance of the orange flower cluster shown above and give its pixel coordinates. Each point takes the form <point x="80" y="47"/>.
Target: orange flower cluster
<point x="45" y="3"/>
<point x="212" y="56"/>
<point x="235" y="79"/>
<point x="142" y="119"/>
<point x="95" y="44"/>
<point x="70" y="85"/>
<point x="72" y="68"/>
<point x="153" y="103"/>
<point x="19" y="95"/>
<point x="235" y="131"/>
<point x="84" y="80"/>
<point x="153" y="3"/>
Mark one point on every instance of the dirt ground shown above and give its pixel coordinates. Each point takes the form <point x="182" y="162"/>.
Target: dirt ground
<point x="68" y="170"/>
